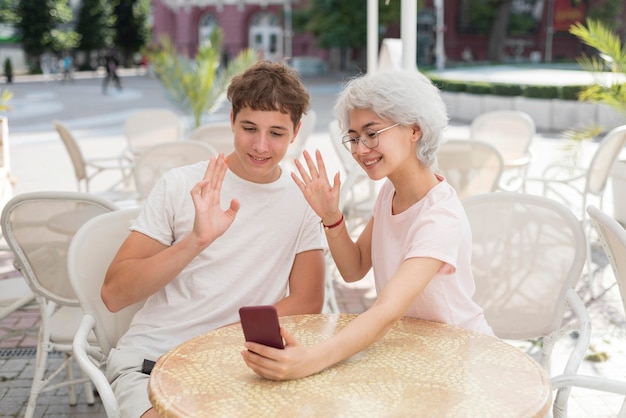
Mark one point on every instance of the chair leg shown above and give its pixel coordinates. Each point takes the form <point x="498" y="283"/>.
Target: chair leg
<point x="69" y="376"/>
<point x="38" y="382"/>
<point x="88" y="388"/>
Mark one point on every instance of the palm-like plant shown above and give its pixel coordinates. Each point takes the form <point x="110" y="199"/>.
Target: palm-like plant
<point x="197" y="86"/>
<point x="611" y="58"/>
<point x="5" y="96"/>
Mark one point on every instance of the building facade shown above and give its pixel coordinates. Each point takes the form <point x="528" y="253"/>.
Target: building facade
<point x="538" y="29"/>
<point x="263" y="25"/>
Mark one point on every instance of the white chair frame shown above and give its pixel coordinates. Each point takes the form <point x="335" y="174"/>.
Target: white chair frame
<point x="613" y="238"/>
<point x="507" y="227"/>
<point x="90" y="253"/>
<point x="40" y="244"/>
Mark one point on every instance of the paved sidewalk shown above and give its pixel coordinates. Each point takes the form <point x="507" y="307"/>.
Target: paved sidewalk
<point x="39" y="162"/>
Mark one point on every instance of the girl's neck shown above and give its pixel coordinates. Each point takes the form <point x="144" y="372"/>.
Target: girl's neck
<point x="411" y="186"/>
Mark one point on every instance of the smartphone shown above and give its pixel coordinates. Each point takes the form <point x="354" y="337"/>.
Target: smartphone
<point x="260" y="325"/>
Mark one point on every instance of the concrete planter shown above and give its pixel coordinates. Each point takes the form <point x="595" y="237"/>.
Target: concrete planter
<point x="491" y="103"/>
<point x="568" y="114"/>
<point x="609" y="117"/>
<point x="469" y="106"/>
<point x="540" y="110"/>
<point x="548" y="114"/>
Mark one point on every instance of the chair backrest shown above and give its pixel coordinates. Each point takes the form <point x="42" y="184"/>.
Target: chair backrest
<point x="613" y="238"/>
<point x="91" y="251"/>
<point x="38" y="227"/>
<point x="76" y="155"/>
<point x="218" y="135"/>
<point x="147" y="127"/>
<point x="527" y="252"/>
<point x="159" y="158"/>
<point x="471" y="167"/>
<point x="605" y="156"/>
<point x="346" y="159"/>
<point x="509" y="131"/>
<point x="306" y="128"/>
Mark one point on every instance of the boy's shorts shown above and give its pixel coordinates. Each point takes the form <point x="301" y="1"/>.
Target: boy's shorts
<point x="129" y="384"/>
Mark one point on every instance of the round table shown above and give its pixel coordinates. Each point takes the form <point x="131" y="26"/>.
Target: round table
<point x="419" y="368"/>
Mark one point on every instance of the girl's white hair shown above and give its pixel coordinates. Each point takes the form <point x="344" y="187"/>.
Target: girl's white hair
<point x="403" y="96"/>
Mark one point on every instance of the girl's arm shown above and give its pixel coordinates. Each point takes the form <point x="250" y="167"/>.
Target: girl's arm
<point x="353" y="259"/>
<point x="297" y="361"/>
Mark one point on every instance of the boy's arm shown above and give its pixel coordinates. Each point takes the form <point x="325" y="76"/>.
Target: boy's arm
<point x="306" y="285"/>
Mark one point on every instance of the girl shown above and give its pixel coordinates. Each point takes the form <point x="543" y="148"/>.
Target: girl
<point x="418" y="240"/>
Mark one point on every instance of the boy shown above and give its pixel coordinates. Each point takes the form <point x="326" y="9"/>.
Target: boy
<point x="197" y="264"/>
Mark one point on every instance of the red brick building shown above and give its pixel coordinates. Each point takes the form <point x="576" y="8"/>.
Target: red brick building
<point x="265" y="25"/>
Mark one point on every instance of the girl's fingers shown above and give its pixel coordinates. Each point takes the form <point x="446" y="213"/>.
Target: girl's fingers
<point x="311" y="165"/>
<point x="320" y="164"/>
<point x="303" y="173"/>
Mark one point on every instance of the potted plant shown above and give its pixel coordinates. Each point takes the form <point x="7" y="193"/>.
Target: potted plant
<point x="8" y="70"/>
<point x="611" y="60"/>
<point x="196" y="86"/>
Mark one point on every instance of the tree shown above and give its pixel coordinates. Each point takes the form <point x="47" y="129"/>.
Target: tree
<point x="196" y="86"/>
<point x="131" y="27"/>
<point x="37" y="22"/>
<point x="94" y="24"/>
<point x="342" y="23"/>
<point x="499" y="29"/>
<point x="7" y="11"/>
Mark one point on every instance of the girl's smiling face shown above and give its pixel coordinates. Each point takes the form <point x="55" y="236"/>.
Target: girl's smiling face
<point x="396" y="145"/>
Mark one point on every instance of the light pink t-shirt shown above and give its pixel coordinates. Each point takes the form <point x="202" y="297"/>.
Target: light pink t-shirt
<point x="435" y="227"/>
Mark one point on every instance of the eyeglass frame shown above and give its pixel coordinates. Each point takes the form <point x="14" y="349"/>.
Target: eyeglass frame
<point x="348" y="140"/>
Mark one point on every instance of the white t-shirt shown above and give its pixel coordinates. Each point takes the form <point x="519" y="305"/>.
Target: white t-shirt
<point x="248" y="265"/>
<point x="435" y="227"/>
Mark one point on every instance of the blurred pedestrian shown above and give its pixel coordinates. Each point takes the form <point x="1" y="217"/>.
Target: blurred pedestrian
<point x="110" y="65"/>
<point x="67" y="67"/>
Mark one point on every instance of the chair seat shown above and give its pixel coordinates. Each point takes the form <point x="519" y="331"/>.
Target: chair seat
<point x="64" y="323"/>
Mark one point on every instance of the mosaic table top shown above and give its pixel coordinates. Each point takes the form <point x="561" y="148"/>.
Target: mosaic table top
<point x="419" y="368"/>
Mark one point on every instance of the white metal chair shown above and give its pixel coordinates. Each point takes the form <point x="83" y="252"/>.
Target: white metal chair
<point x="86" y="169"/>
<point x="528" y="254"/>
<point x="147" y="127"/>
<point x="218" y="135"/>
<point x="15" y="295"/>
<point x="511" y="133"/>
<point x="613" y="238"/>
<point x="38" y="227"/>
<point x="558" y="179"/>
<point x="159" y="158"/>
<point x="91" y="251"/>
<point x="471" y="167"/>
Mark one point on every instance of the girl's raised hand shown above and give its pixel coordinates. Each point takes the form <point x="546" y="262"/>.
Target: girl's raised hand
<point x="314" y="184"/>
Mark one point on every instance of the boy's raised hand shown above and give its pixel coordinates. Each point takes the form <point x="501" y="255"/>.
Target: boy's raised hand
<point x="210" y="220"/>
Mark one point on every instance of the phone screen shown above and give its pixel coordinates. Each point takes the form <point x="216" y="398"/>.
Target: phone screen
<point x="260" y="325"/>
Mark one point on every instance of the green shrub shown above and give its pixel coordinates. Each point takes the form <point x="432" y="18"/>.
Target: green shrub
<point x="505" y="89"/>
<point x="541" y="92"/>
<point x="453" y="85"/>
<point x="570" y="92"/>
<point x="478" y="88"/>
<point x="437" y="81"/>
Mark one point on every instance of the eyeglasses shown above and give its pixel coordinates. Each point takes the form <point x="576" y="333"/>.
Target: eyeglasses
<point x="368" y="137"/>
